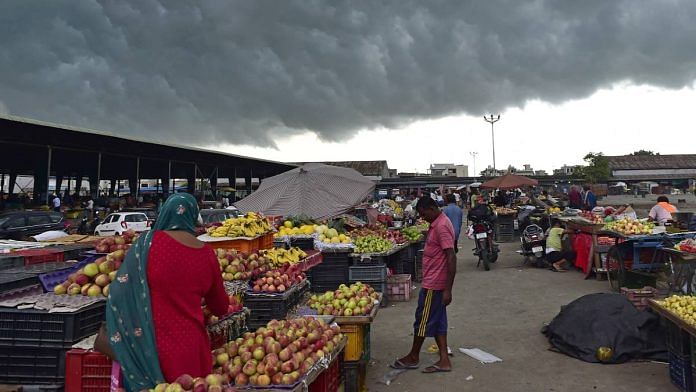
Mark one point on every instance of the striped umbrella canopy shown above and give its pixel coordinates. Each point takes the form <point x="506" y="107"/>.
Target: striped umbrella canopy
<point x="316" y="190"/>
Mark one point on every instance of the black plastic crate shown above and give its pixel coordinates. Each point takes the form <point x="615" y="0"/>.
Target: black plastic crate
<point x="32" y="365"/>
<point x="369" y="260"/>
<point x="264" y="308"/>
<point x="302" y="243"/>
<point x="404" y="267"/>
<point x="325" y="277"/>
<point x="678" y="340"/>
<point x="376" y="273"/>
<point x="354" y="375"/>
<point x="408" y="253"/>
<point x="280" y="244"/>
<point x="17" y="281"/>
<point x="7" y="262"/>
<point x="41" y="268"/>
<point x="19" y="327"/>
<point x="680" y="372"/>
<point x="502" y="237"/>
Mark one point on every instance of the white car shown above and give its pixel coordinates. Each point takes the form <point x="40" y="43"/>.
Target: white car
<point x="120" y="222"/>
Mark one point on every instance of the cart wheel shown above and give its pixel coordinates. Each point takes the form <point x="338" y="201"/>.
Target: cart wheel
<point x="615" y="268"/>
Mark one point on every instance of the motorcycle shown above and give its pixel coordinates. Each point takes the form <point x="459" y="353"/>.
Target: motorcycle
<point x="533" y="244"/>
<point x="486" y="250"/>
<point x="86" y="227"/>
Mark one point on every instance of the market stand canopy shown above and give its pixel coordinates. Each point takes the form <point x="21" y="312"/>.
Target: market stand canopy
<point x="316" y="190"/>
<point x="509" y="181"/>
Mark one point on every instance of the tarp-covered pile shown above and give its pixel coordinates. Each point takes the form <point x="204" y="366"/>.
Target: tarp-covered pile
<point x="607" y="321"/>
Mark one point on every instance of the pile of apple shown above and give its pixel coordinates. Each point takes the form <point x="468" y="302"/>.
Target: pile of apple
<point x="277" y="281"/>
<point x="627" y="226"/>
<point x="184" y="383"/>
<point x="234" y="307"/>
<point x="240" y="265"/>
<point x="117" y="242"/>
<point x="396" y="237"/>
<point x="354" y="300"/>
<point x="94" y="278"/>
<point x="594" y="218"/>
<point x="278" y="354"/>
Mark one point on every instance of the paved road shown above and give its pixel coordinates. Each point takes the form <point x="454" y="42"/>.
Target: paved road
<point x="502" y="311"/>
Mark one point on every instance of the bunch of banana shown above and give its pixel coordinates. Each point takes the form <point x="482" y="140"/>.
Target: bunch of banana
<point x="249" y="225"/>
<point x="280" y="256"/>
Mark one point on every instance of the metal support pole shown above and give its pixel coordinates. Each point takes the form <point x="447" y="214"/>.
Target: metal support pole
<point x="48" y="173"/>
<point x="137" y="178"/>
<point x="169" y="178"/>
<point x="98" y="173"/>
<point x="195" y="175"/>
<point x="492" y="120"/>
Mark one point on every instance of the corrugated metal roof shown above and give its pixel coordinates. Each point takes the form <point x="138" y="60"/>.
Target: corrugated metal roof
<point x="647" y="162"/>
<point x="366" y="168"/>
<point x="646" y="177"/>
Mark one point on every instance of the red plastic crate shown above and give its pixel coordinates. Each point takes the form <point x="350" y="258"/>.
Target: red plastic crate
<point x="87" y="371"/>
<point x="399" y="287"/>
<point x="38" y="256"/>
<point x="330" y="379"/>
<point x="639" y="297"/>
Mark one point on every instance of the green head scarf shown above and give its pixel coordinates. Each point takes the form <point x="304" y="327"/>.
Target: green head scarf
<point x="128" y="309"/>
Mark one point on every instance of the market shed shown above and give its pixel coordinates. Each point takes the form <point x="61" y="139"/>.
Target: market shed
<point x="44" y="150"/>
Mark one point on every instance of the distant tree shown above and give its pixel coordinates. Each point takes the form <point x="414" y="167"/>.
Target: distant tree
<point x="597" y="169"/>
<point x="511" y="169"/>
<point x="643" y="153"/>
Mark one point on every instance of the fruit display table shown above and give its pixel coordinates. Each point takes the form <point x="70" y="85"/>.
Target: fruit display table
<point x="663" y="312"/>
<point x="683" y="268"/>
<point x="311" y="376"/>
<point x="634" y="261"/>
<point x="362" y="319"/>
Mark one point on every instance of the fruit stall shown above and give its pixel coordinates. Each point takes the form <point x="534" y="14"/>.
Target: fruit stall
<point x="298" y="318"/>
<point x="679" y="314"/>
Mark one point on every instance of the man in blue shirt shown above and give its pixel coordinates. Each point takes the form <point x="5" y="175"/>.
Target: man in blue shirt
<point x="455" y="215"/>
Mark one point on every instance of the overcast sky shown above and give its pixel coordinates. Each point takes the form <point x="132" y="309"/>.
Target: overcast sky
<point x="403" y="80"/>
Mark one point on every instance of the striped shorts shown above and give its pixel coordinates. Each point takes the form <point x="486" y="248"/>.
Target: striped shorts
<point x="431" y="314"/>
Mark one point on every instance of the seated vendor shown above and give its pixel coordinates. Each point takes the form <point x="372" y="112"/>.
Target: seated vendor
<point x="554" y="247"/>
<point x="662" y="211"/>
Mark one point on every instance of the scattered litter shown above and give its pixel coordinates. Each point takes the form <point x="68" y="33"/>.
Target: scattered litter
<point x="433" y="349"/>
<point x="391" y="376"/>
<point x="480" y="355"/>
<point x="469" y="378"/>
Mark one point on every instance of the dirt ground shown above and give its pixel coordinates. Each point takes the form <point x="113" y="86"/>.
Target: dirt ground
<point x="502" y="311"/>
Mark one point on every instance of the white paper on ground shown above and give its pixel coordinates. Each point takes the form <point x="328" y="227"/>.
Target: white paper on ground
<point x="480" y="355"/>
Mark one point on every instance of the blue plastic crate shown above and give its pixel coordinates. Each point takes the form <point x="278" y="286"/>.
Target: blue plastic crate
<point x="50" y="279"/>
<point x="680" y="371"/>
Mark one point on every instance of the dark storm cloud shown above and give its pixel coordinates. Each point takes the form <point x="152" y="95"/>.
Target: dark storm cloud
<point x="244" y="71"/>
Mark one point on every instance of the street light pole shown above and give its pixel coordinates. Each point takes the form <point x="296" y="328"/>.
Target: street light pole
<point x="473" y="155"/>
<point x="492" y="119"/>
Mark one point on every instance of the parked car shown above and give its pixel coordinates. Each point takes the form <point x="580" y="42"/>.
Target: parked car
<point x="119" y="222"/>
<point x="215" y="215"/>
<point x="17" y="225"/>
<point x="151" y="213"/>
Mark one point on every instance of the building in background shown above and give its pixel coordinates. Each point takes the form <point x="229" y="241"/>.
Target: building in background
<point x="671" y="172"/>
<point x="566" y="170"/>
<point x="448" y="170"/>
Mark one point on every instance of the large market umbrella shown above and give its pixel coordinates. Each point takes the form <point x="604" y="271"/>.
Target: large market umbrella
<point x="316" y="190"/>
<point x="509" y="181"/>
